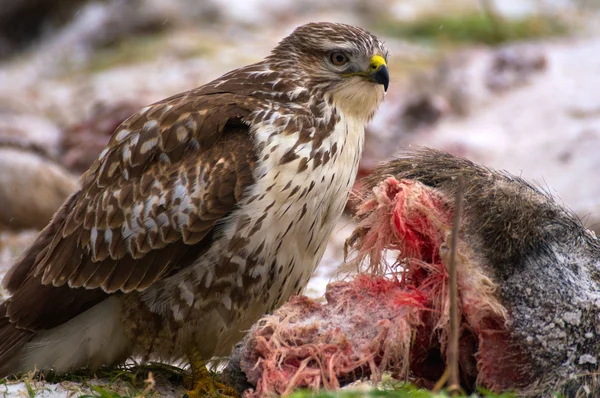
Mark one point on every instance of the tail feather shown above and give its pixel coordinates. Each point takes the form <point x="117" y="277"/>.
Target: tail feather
<point x="12" y="340"/>
<point x="92" y="339"/>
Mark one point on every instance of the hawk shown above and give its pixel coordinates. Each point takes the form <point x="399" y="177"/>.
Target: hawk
<point x="205" y="211"/>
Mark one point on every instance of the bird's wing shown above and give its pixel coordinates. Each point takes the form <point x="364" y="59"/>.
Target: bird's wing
<point x="147" y="207"/>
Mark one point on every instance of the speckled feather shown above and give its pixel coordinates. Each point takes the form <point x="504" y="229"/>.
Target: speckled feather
<point x="150" y="189"/>
<point x="207" y="208"/>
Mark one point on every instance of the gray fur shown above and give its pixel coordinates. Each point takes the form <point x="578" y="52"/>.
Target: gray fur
<point x="546" y="263"/>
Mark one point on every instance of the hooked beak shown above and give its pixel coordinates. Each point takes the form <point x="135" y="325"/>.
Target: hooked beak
<point x="378" y="71"/>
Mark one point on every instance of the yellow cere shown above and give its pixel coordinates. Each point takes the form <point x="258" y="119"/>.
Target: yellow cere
<point x="376" y="62"/>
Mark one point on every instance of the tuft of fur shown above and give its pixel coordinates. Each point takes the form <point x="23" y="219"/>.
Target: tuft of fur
<point x="544" y="262"/>
<point x="509" y="217"/>
<point x="415" y="221"/>
<point x="306" y="344"/>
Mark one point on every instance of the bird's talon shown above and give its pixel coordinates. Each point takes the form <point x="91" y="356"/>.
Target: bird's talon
<point x="203" y="384"/>
<point x="211" y="388"/>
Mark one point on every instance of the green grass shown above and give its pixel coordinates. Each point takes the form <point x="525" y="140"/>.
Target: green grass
<point x="31" y="391"/>
<point x="390" y="388"/>
<point x="475" y="27"/>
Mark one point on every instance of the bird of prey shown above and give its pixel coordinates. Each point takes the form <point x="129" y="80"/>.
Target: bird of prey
<point x="205" y="211"/>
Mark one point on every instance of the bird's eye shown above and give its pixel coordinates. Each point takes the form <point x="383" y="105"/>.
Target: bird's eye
<point x="338" y="58"/>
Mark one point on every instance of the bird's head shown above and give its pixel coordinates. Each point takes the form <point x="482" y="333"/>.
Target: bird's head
<point x="342" y="63"/>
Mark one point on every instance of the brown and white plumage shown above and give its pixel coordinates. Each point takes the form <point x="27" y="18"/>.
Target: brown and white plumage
<point x="206" y="210"/>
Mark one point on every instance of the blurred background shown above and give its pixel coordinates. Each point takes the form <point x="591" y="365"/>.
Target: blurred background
<point x="510" y="84"/>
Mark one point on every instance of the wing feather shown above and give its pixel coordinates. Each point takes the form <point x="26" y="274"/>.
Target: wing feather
<point x="147" y="207"/>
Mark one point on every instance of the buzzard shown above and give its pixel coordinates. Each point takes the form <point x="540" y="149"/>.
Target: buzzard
<point x="205" y="211"/>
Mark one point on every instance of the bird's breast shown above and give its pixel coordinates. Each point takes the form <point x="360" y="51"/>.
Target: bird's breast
<point x="295" y="204"/>
<point x="271" y="244"/>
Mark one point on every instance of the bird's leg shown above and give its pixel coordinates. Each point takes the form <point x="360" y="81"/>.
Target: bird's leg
<point x="203" y="383"/>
